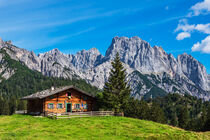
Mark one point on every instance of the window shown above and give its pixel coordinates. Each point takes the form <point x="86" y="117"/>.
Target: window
<point x="85" y="106"/>
<point x="50" y="106"/>
<point x="77" y="106"/>
<point x="69" y="93"/>
<point x="59" y="105"/>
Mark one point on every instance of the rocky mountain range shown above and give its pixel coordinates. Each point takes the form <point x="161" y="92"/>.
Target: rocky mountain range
<point x="151" y="71"/>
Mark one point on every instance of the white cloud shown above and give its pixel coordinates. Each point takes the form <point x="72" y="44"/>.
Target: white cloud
<point x="183" y="35"/>
<point x="205" y="28"/>
<point x="203" y="46"/>
<point x="187" y="29"/>
<point x="184" y="26"/>
<point x="200" y="8"/>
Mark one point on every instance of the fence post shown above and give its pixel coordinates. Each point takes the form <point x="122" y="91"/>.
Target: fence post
<point x="91" y="113"/>
<point x="122" y="114"/>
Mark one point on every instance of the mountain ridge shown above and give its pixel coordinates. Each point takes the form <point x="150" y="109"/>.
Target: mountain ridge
<point x="136" y="54"/>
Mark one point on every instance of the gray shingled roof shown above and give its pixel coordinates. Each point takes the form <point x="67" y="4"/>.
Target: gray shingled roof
<point x="49" y="92"/>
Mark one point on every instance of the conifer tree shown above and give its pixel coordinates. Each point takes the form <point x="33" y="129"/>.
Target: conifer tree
<point x="116" y="91"/>
<point x="5" y="110"/>
<point x="157" y="113"/>
<point x="203" y="119"/>
<point x="1" y="105"/>
<point x="174" y="120"/>
<point x="183" y="117"/>
<point x="144" y="110"/>
<point x="207" y="124"/>
<point x="12" y="105"/>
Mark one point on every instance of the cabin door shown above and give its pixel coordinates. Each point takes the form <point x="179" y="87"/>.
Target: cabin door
<point x="68" y="107"/>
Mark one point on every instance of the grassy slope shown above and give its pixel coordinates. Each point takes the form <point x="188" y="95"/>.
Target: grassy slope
<point x="28" y="127"/>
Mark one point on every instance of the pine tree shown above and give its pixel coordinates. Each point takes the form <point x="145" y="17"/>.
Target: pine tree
<point x="144" y="110"/>
<point x="203" y="120"/>
<point x="183" y="117"/>
<point x="6" y="110"/>
<point x="174" y="120"/>
<point x="21" y="105"/>
<point x="116" y="91"/>
<point x="12" y="105"/>
<point x="157" y="113"/>
<point x="1" y="105"/>
<point x="207" y="124"/>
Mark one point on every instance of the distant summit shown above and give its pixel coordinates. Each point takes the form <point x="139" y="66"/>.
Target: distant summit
<point x="151" y="70"/>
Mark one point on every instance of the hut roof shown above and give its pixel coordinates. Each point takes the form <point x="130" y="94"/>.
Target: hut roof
<point x="49" y="92"/>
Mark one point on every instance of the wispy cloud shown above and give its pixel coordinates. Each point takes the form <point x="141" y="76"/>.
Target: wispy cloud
<point x="28" y="25"/>
<point x="61" y="38"/>
<point x="48" y="41"/>
<point x="165" y="20"/>
<point x="178" y="51"/>
<point x="4" y="3"/>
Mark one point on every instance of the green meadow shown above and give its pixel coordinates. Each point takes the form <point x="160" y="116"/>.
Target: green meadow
<point x="29" y="127"/>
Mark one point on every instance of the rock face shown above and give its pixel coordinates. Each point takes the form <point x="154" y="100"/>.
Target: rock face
<point x="162" y="71"/>
<point x="139" y="55"/>
<point x="194" y="70"/>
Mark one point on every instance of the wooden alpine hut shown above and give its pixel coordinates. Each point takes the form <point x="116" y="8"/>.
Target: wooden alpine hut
<point x="60" y="100"/>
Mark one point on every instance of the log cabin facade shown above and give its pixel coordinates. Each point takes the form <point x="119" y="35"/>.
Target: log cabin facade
<point x="60" y="100"/>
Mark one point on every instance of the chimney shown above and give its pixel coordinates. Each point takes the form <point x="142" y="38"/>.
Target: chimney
<point x="52" y="88"/>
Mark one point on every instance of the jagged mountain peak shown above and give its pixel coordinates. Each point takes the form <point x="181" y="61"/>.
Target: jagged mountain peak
<point x="194" y="70"/>
<point x="127" y="38"/>
<point x="52" y="53"/>
<point x="136" y="55"/>
<point x="125" y="45"/>
<point x="5" y="43"/>
<point x="86" y="59"/>
<point x="55" y="51"/>
<point x="188" y="57"/>
<point x="90" y="51"/>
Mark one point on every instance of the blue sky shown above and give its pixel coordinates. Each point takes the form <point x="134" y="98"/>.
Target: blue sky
<point x="71" y="25"/>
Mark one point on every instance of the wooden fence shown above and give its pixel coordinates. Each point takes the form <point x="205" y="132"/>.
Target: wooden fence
<point x="21" y="112"/>
<point x="81" y="114"/>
